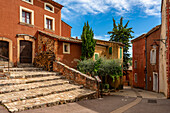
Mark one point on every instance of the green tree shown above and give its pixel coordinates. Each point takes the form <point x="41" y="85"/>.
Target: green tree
<point x="88" y="43"/>
<point x="121" y="33"/>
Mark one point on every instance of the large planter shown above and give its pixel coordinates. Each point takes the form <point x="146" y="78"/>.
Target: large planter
<point x="115" y="84"/>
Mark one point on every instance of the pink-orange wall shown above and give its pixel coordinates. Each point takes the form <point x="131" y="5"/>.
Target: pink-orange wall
<point x="65" y="29"/>
<point x="69" y="59"/>
<point x="10" y="21"/>
<point x="139" y="56"/>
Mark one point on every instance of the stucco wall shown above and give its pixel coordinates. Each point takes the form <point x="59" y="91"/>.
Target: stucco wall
<point x="162" y="55"/>
<point x="139" y="56"/>
<point x="115" y="49"/>
<point x="65" y="29"/>
<point x="69" y="59"/>
<point x="152" y="68"/>
<point x="10" y="21"/>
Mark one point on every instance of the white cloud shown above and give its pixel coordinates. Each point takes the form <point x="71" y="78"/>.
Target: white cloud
<point x="84" y="7"/>
<point x="105" y="37"/>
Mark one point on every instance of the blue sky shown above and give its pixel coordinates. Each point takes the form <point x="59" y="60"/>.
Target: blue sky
<point x="142" y="14"/>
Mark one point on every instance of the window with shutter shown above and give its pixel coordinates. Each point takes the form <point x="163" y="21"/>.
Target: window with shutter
<point x="120" y="52"/>
<point x="135" y="78"/>
<point x="96" y="56"/>
<point x="110" y="50"/>
<point x="153" y="56"/>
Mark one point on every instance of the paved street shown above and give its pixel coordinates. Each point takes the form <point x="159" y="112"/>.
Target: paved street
<point x="126" y="101"/>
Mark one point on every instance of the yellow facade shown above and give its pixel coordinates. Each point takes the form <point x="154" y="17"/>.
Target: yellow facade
<point x="109" y="50"/>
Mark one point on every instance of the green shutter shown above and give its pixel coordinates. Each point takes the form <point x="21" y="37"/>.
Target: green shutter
<point x="110" y="50"/>
<point x="96" y="56"/>
<point x="120" y="52"/>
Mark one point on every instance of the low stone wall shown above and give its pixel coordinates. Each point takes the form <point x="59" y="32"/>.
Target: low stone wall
<point x="75" y="76"/>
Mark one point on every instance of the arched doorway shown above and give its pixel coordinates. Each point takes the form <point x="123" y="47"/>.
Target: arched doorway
<point x="25" y="51"/>
<point x="4" y="50"/>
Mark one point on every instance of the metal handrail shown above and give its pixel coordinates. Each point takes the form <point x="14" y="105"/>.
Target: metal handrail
<point x="6" y="59"/>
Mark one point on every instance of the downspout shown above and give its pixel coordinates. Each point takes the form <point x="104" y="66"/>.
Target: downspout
<point x="146" y="81"/>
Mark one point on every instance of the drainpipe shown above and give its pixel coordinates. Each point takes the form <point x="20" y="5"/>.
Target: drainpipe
<point x="146" y="81"/>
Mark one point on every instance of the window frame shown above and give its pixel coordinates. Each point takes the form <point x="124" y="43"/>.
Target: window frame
<point x="45" y="22"/>
<point x="31" y="15"/>
<point x="135" y="78"/>
<point x="68" y="44"/>
<point x="95" y="55"/>
<point x="121" y="52"/>
<point x="153" y="57"/>
<point x="29" y="2"/>
<point x="52" y="7"/>
<point x="25" y="17"/>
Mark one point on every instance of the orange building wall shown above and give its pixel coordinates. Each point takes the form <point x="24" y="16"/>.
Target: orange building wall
<point x="65" y="29"/>
<point x="10" y="21"/>
<point x="69" y="59"/>
<point x="139" y="55"/>
<point x="152" y="68"/>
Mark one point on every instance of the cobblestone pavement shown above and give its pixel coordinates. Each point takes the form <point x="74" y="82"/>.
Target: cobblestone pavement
<point x="115" y="101"/>
<point x="105" y="105"/>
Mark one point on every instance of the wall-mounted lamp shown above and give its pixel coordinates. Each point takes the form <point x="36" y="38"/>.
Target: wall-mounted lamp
<point x="162" y="40"/>
<point x="154" y="45"/>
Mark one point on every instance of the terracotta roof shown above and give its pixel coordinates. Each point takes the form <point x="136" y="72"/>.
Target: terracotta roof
<point x="147" y="34"/>
<point x="120" y="43"/>
<point x="61" y="38"/>
<point x="141" y="36"/>
<point x="101" y="44"/>
<point x="153" y="30"/>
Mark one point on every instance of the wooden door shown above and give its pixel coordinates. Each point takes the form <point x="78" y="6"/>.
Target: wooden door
<point x="25" y="52"/>
<point x="4" y="50"/>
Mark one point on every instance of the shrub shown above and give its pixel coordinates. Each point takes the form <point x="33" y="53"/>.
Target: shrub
<point x="102" y="67"/>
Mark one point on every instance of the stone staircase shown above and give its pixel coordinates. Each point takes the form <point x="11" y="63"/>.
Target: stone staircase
<point x="29" y="88"/>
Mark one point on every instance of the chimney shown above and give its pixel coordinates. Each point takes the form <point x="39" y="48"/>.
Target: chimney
<point x="76" y="38"/>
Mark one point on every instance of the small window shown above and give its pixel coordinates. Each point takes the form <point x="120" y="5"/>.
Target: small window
<point x="121" y="53"/>
<point x="28" y="1"/>
<point x="110" y="50"/>
<point x="153" y="56"/>
<point x="135" y="64"/>
<point x="135" y="78"/>
<point x="49" y="23"/>
<point x="49" y="7"/>
<point x="66" y="48"/>
<point x="96" y="56"/>
<point x="26" y="16"/>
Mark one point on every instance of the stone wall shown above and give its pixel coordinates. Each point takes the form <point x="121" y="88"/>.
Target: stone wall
<point x="45" y="44"/>
<point x="45" y="60"/>
<point x="75" y="76"/>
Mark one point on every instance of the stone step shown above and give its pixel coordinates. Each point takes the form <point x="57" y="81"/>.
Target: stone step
<point x="21" y="69"/>
<point x="49" y="100"/>
<point x="28" y="80"/>
<point x="33" y="93"/>
<point x="29" y="74"/>
<point x="25" y="65"/>
<point x="21" y="87"/>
